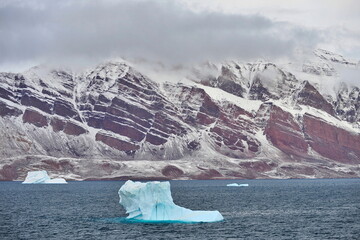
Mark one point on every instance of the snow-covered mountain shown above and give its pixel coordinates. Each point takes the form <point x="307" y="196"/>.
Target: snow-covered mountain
<point x="219" y="120"/>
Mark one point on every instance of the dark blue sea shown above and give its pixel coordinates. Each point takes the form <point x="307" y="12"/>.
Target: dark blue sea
<point x="267" y="209"/>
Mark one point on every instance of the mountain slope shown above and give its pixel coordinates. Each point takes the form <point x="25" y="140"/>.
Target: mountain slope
<point x="228" y="120"/>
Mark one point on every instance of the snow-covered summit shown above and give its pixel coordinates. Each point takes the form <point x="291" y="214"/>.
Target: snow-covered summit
<point x="333" y="57"/>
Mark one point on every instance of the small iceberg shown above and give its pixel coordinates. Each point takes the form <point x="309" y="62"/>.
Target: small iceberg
<point x="152" y="202"/>
<point x="41" y="177"/>
<point x="237" y="185"/>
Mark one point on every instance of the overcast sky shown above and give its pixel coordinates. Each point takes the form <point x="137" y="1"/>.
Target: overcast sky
<point x="184" y="31"/>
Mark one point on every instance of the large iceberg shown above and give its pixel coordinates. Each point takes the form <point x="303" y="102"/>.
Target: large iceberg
<point x="34" y="177"/>
<point x="237" y="185"/>
<point x="152" y="201"/>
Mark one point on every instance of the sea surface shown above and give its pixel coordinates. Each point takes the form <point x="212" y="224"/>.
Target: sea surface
<point x="267" y="209"/>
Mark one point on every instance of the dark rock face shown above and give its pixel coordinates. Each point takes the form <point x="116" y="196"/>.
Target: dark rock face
<point x="208" y="112"/>
<point x="285" y="133"/>
<point x="311" y="97"/>
<point x="124" y="130"/>
<point x="61" y="165"/>
<point x="172" y="171"/>
<point x="228" y="79"/>
<point x="35" y="118"/>
<point x="6" y="110"/>
<point x="153" y="139"/>
<point x="231" y="133"/>
<point x="5" y="94"/>
<point x="347" y="104"/>
<point x="227" y="82"/>
<point x="259" y="92"/>
<point x="270" y="82"/>
<point x="57" y="124"/>
<point x="28" y="99"/>
<point x="8" y="173"/>
<point x="67" y="127"/>
<point x="73" y="129"/>
<point x="135" y="110"/>
<point x="65" y="109"/>
<point x="116" y="143"/>
<point x="332" y="142"/>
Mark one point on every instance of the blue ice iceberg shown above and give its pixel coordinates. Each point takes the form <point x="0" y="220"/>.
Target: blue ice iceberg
<point x="237" y="185"/>
<point x="35" y="177"/>
<point x="152" y="201"/>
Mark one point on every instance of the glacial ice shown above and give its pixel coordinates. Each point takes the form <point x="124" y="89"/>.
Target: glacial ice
<point x="152" y="201"/>
<point x="237" y="185"/>
<point x="35" y="177"/>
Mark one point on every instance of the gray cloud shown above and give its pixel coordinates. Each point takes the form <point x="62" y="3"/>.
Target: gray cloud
<point x="158" y="30"/>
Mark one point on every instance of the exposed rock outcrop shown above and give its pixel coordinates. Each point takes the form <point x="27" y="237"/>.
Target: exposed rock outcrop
<point x="113" y="122"/>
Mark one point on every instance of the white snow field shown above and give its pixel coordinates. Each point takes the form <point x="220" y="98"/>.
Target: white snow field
<point x="152" y="201"/>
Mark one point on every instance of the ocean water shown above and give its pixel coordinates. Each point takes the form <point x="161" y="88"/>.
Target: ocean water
<point x="267" y="209"/>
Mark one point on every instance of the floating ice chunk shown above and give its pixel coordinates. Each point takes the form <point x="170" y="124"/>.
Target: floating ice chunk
<point x="56" y="180"/>
<point x="152" y="201"/>
<point x="237" y="185"/>
<point x="37" y="177"/>
<point x="232" y="185"/>
<point x="41" y="177"/>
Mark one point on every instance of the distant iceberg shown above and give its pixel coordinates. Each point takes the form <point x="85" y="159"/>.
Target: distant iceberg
<point x="237" y="185"/>
<point x="35" y="177"/>
<point x="152" y="202"/>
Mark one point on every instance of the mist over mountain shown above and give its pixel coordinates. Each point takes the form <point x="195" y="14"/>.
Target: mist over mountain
<point x="79" y="33"/>
<point x="179" y="89"/>
<point x="220" y="119"/>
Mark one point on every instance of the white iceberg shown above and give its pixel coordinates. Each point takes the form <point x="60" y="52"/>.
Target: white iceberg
<point x="35" y="177"/>
<point x="152" y="201"/>
<point x="237" y="185"/>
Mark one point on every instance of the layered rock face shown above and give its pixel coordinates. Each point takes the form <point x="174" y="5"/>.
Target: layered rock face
<point x="253" y="120"/>
<point x="285" y="132"/>
<point x="334" y="143"/>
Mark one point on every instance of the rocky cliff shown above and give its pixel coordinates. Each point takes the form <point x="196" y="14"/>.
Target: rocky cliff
<point x="227" y="120"/>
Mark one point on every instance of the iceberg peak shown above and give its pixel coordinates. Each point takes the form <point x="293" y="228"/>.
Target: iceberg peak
<point x="34" y="177"/>
<point x="237" y="185"/>
<point x="152" y="201"/>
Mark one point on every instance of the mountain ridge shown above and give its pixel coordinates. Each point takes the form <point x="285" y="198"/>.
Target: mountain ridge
<point x="227" y="120"/>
